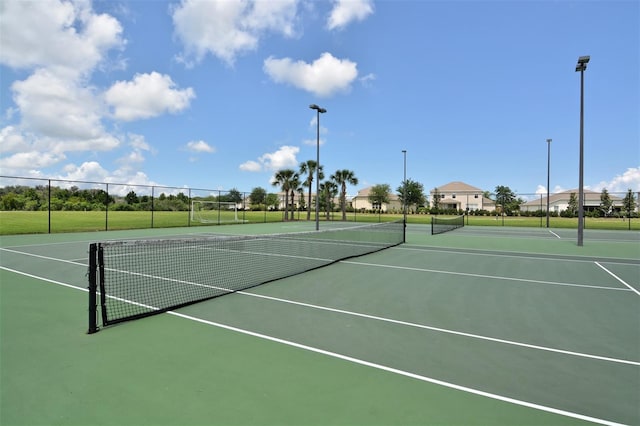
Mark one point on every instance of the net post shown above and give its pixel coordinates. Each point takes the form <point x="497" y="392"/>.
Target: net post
<point x="431" y="225"/>
<point x="404" y="230"/>
<point x="93" y="289"/>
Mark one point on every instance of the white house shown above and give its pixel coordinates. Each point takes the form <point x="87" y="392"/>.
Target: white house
<point x="360" y="202"/>
<point x="560" y="201"/>
<point x="460" y="196"/>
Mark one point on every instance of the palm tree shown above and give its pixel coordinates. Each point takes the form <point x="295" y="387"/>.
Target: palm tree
<point x="294" y="186"/>
<point x="283" y="179"/>
<point x="342" y="178"/>
<point x="309" y="168"/>
<point x="328" y="189"/>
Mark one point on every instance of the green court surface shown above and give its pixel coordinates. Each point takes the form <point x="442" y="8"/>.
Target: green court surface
<point x="497" y="326"/>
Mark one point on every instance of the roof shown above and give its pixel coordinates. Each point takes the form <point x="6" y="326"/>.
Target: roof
<point x="566" y="195"/>
<point x="457" y="187"/>
<point x="364" y="193"/>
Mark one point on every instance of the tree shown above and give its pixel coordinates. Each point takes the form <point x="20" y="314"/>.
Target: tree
<point x="309" y="168"/>
<point x="234" y="196"/>
<point x="328" y="190"/>
<point x="272" y="200"/>
<point x="506" y="198"/>
<point x="572" y="208"/>
<point x="436" y="201"/>
<point x="283" y="178"/>
<point x="605" y="203"/>
<point x="629" y="203"/>
<point x="342" y="178"/>
<point x="131" y="198"/>
<point x="379" y="195"/>
<point x="294" y="187"/>
<point x="258" y="195"/>
<point x="414" y="193"/>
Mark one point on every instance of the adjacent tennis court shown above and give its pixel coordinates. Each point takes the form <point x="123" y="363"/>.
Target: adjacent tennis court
<point x="473" y="326"/>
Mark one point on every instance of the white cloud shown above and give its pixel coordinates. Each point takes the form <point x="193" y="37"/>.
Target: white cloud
<point x="138" y="142"/>
<point x="284" y="157"/>
<point x="147" y="95"/>
<point x="11" y="140"/>
<point x="228" y="28"/>
<point x="313" y="142"/>
<point x="65" y="36"/>
<point x="200" y="146"/>
<point x="87" y="171"/>
<point x="30" y="160"/>
<point x="630" y="179"/>
<point x="541" y="189"/>
<point x="57" y="107"/>
<point x="346" y="11"/>
<point x="367" y="80"/>
<point x="323" y="77"/>
<point x="251" y="166"/>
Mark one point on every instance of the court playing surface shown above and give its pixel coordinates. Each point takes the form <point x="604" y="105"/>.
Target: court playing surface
<point x="474" y="326"/>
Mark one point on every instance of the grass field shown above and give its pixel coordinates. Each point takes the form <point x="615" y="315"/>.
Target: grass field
<point x="27" y="222"/>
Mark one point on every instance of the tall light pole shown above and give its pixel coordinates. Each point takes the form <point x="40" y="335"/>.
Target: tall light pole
<point x="318" y="111"/>
<point x="581" y="66"/>
<point x="548" y="175"/>
<point x="404" y="198"/>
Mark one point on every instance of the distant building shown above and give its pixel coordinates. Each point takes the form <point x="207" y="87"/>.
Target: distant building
<point x="460" y="196"/>
<point x="560" y="201"/>
<point x="360" y="202"/>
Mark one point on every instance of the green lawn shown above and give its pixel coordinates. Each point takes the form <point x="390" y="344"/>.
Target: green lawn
<point x="28" y="222"/>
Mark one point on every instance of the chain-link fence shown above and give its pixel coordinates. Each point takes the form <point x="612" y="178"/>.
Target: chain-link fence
<point x="58" y="205"/>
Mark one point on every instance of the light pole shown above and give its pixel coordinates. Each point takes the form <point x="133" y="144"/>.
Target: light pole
<point x="404" y="197"/>
<point x="318" y="111"/>
<point x="581" y="66"/>
<point x="548" y="174"/>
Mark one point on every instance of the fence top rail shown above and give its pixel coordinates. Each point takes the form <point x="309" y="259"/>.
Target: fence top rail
<point x="141" y="185"/>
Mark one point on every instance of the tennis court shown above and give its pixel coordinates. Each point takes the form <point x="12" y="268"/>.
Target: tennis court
<point x="474" y="326"/>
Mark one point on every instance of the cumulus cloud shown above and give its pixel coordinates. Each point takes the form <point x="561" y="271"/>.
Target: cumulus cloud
<point x="251" y="166"/>
<point x="58" y="107"/>
<point x="229" y="28"/>
<point x="11" y="140"/>
<point x="200" y="146"/>
<point x="62" y="35"/>
<point x="147" y="95"/>
<point x="30" y="160"/>
<point x="284" y="157"/>
<point x="323" y="77"/>
<point x="346" y="11"/>
<point x="629" y="179"/>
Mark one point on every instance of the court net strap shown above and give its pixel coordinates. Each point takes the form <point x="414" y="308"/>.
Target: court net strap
<point x="137" y="278"/>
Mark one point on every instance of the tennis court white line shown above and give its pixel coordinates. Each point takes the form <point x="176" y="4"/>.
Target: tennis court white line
<point x="556" y="235"/>
<point x="519" y="255"/>
<point x="73" y="262"/>
<point x="400" y="372"/>
<point x="363" y="362"/>
<point x="444" y="330"/>
<point x="618" y="278"/>
<point x="493" y="277"/>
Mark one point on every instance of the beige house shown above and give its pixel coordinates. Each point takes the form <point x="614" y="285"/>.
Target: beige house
<point x="460" y="196"/>
<point x="560" y="201"/>
<point x="360" y="202"/>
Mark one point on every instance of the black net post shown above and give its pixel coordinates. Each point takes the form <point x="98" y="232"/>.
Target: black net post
<point x="93" y="290"/>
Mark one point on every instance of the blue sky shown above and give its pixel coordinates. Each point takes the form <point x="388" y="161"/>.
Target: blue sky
<point x="215" y="94"/>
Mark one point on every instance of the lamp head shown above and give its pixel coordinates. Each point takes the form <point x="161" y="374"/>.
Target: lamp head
<point x="582" y="63"/>
<point x="317" y="108"/>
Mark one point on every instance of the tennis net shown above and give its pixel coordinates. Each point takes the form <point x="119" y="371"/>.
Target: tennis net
<point x="445" y="224"/>
<point x="132" y="279"/>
